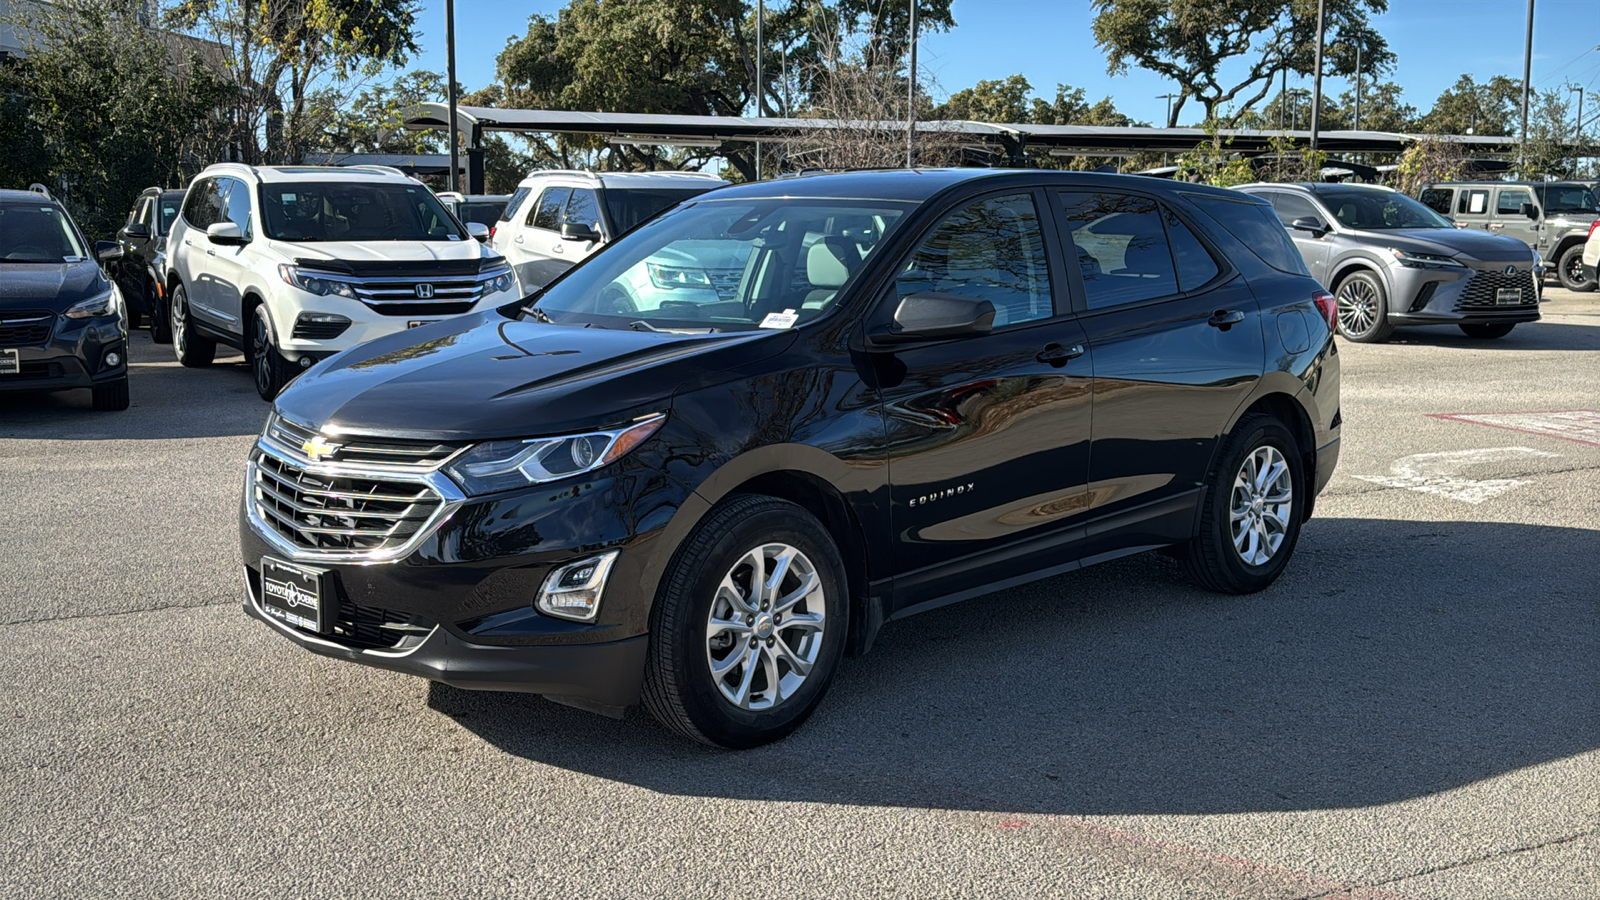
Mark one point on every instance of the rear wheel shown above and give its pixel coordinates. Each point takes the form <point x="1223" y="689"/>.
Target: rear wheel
<point x="191" y="349"/>
<point x="1569" y="269"/>
<point x="1488" y="332"/>
<point x="1363" y="308"/>
<point x="270" y="370"/>
<point x="1250" y="518"/>
<point x="111" y="396"/>
<point x="748" y="626"/>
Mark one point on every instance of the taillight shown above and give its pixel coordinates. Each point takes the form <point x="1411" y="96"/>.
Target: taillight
<point x="492" y="229"/>
<point x="1592" y="226"/>
<point x="1329" y="308"/>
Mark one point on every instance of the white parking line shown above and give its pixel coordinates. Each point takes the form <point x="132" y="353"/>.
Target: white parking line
<point x="1440" y="473"/>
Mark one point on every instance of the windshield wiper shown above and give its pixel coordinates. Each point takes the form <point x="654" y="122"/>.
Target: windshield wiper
<point x="537" y="314"/>
<point x="642" y="325"/>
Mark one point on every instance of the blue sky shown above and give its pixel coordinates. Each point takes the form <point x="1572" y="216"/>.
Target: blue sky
<point x="1049" y="41"/>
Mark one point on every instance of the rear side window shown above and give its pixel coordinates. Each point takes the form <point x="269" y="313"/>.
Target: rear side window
<point x="1475" y="203"/>
<point x="1121" y="246"/>
<point x="1437" y="199"/>
<point x="1257" y="227"/>
<point x="546" y="213"/>
<point x="1511" y="200"/>
<point x="514" y="204"/>
<point x="1196" y="266"/>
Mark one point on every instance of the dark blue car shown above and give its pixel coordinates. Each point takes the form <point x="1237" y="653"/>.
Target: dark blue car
<point x="62" y="321"/>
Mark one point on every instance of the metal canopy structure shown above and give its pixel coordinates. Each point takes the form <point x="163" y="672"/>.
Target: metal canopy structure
<point x="1010" y="141"/>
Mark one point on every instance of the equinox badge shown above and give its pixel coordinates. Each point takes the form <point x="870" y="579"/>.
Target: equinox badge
<point x="940" y="495"/>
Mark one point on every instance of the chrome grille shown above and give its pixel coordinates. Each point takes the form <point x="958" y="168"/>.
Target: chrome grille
<point x="316" y="510"/>
<point x="1481" y="290"/>
<point x="358" y="451"/>
<point x="26" y="327"/>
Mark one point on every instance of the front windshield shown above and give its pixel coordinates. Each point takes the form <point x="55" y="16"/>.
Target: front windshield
<point x="1566" y="198"/>
<point x="728" y="265"/>
<point x="38" y="233"/>
<point x="1380" y="210"/>
<point x="354" y="211"/>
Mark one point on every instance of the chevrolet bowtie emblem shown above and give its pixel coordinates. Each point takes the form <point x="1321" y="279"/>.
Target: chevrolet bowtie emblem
<point x="318" y="448"/>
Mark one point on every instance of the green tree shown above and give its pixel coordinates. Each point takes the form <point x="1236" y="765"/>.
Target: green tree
<point x="372" y="122"/>
<point x="1225" y="54"/>
<point x="991" y="101"/>
<point x="1466" y="107"/>
<point x="296" y="62"/>
<point x="1381" y="108"/>
<point x="104" y="106"/>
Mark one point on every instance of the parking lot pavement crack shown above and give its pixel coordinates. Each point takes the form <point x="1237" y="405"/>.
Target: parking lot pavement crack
<point x="1458" y="864"/>
<point x="109" y="615"/>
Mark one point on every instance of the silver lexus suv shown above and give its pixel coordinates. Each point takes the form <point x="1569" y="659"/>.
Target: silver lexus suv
<point x="1391" y="261"/>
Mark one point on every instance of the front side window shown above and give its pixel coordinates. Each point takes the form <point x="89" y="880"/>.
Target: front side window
<point x="546" y="213"/>
<point x="1566" y="198"/>
<point x="237" y="210"/>
<point x="1379" y="210"/>
<point x="1292" y="206"/>
<point x="1511" y="200"/>
<point x="583" y="209"/>
<point x="1121" y="247"/>
<point x="725" y="266"/>
<point x="990" y="250"/>
<point x="38" y="233"/>
<point x="354" y="211"/>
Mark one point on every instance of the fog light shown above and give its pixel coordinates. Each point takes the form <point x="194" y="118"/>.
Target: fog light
<point x="113" y="359"/>
<point x="573" y="591"/>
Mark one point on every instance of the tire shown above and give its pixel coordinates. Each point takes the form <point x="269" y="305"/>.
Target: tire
<point x="1363" y="308"/>
<point x="191" y="349"/>
<point x="1488" y="332"/>
<point x="160" y="325"/>
<point x="754" y="701"/>
<point x="1215" y="559"/>
<point x="111" y="396"/>
<point x="271" y="373"/>
<point x="1569" y="270"/>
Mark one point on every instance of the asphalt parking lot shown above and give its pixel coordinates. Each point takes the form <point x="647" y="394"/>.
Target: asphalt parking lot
<point x="1413" y="711"/>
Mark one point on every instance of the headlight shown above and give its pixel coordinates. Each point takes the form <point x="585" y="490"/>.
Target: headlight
<point x="677" y="276"/>
<point x="504" y="465"/>
<point x="106" y="304"/>
<point x="1423" y="260"/>
<point x="501" y="281"/>
<point x="315" y="284"/>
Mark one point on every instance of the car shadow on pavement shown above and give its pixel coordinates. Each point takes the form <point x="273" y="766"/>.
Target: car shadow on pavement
<point x="168" y="401"/>
<point x="1395" y="659"/>
<point x="1526" y="336"/>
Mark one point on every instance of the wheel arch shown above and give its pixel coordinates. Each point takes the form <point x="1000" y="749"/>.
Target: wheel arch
<point x="1359" y="264"/>
<point x="1277" y="401"/>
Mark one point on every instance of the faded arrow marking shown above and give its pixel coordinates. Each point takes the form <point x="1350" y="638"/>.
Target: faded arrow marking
<point x="1440" y="473"/>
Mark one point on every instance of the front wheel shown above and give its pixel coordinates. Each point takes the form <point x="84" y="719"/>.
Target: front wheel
<point x="266" y="363"/>
<point x="1569" y="269"/>
<point x="1488" y="332"/>
<point x="160" y="325"/>
<point x="748" y="626"/>
<point x="1250" y="518"/>
<point x="1363" y="308"/>
<point x="111" y="396"/>
<point x="191" y="349"/>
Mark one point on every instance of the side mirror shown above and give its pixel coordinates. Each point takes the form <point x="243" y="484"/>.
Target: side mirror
<point x="1311" y="224"/>
<point x="575" y="231"/>
<point x="226" y="233"/>
<point x="932" y="316"/>
<point x="138" y="230"/>
<point x="1531" y="211"/>
<point x="107" y="250"/>
<point x="480" y="231"/>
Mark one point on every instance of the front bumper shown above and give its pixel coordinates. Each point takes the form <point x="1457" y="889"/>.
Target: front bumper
<point x="1460" y="296"/>
<point x="366" y="324"/>
<point x="73" y="356"/>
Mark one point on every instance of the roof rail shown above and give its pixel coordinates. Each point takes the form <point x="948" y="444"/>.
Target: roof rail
<point x="371" y="167"/>
<point x="38" y="188"/>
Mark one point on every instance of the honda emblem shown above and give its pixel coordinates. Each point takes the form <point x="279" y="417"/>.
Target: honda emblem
<point x="425" y="292"/>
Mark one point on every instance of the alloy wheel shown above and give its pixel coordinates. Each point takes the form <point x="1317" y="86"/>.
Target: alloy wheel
<point x="1260" y="506"/>
<point x="764" y="632"/>
<point x="260" y="358"/>
<point x="1358" y="307"/>
<point x="180" y="322"/>
<point x="1574" y="273"/>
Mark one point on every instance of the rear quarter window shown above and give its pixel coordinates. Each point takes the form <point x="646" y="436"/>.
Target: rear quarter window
<point x="1257" y="227"/>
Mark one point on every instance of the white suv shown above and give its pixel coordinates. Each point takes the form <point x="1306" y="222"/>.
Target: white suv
<point x="293" y="264"/>
<point x="555" y="219"/>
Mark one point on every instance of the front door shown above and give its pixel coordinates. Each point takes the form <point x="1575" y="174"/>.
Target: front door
<point x="1177" y="345"/>
<point x="1509" y="218"/>
<point x="532" y="248"/>
<point x="988" y="436"/>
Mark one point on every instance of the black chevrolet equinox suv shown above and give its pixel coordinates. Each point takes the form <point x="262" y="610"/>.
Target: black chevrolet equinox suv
<point x="705" y="464"/>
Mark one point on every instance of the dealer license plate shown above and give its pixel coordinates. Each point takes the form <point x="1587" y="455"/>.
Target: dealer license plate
<point x="418" y="323"/>
<point x="10" y="363"/>
<point x="295" y="595"/>
<point x="1508" y="297"/>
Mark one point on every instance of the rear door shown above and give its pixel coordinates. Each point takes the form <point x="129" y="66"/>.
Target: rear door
<point x="988" y="435"/>
<point x="1176" y="339"/>
<point x="1472" y="207"/>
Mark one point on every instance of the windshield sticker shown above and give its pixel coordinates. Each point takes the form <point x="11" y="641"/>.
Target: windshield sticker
<point x="1477" y="202"/>
<point x="289" y="198"/>
<point x="783" y="320"/>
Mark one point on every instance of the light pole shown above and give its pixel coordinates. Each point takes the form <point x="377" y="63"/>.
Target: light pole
<point x="1357" y="124"/>
<point x="761" y="18"/>
<point x="450" y="90"/>
<point x="1577" y="129"/>
<point x="911" y="94"/>
<point x="1527" y="72"/>
<point x="1168" y="98"/>
<point x="1316" y="81"/>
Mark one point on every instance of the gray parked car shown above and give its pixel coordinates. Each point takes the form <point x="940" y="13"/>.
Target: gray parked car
<point x="1552" y="217"/>
<point x="1391" y="261"/>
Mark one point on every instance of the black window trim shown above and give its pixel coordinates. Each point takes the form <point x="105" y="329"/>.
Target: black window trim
<point x="538" y="201"/>
<point x="600" y="209"/>
<point x="1225" y="269"/>
<point x="1497" y="212"/>
<point x="1328" y="220"/>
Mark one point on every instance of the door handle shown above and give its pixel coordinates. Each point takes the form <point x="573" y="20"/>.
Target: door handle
<point x="1057" y="355"/>
<point x="211" y="253"/>
<point x="518" y="238"/>
<point x="1225" y="318"/>
<point x="1497" y="225"/>
<point x="557" y="248"/>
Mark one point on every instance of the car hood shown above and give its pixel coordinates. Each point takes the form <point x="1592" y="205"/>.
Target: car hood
<point x="1453" y="242"/>
<point x="484" y="376"/>
<point x="45" y="286"/>
<point x="382" y="251"/>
